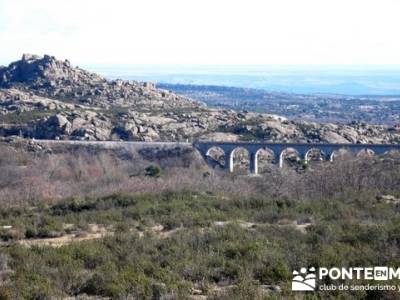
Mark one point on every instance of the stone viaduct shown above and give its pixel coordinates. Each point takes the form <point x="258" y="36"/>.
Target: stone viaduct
<point x="328" y="151"/>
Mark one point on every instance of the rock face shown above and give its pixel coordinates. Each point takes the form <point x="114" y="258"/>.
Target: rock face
<point x="46" y="98"/>
<point x="48" y="77"/>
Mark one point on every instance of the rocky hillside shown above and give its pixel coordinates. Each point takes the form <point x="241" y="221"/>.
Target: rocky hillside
<point x="45" y="98"/>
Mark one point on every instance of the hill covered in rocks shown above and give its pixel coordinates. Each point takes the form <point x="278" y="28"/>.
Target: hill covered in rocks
<point x="46" y="98"/>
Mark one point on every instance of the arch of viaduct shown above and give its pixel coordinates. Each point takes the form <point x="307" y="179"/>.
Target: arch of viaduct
<point x="278" y="149"/>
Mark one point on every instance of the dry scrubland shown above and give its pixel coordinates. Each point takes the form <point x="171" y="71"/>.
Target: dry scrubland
<point x="101" y="223"/>
<point x="32" y="176"/>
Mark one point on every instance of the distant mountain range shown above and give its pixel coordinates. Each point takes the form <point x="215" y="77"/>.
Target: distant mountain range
<point x="345" y="80"/>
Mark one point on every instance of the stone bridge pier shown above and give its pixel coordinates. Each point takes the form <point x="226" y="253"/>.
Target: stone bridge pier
<point x="327" y="151"/>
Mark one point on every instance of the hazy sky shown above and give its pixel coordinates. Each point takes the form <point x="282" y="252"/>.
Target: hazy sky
<point x="203" y="32"/>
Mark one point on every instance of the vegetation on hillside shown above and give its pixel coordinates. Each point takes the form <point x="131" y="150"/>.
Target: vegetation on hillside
<point x="228" y="248"/>
<point x="94" y="224"/>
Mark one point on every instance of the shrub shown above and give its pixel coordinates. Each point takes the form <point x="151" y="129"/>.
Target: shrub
<point x="153" y="171"/>
<point x="30" y="233"/>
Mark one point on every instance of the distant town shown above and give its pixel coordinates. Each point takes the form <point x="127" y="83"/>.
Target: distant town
<point x="322" y="108"/>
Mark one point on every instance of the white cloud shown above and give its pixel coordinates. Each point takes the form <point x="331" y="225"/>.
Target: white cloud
<point x="203" y="32"/>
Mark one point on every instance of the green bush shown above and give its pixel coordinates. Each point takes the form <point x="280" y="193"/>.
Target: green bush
<point x="153" y="171"/>
<point x="30" y="233"/>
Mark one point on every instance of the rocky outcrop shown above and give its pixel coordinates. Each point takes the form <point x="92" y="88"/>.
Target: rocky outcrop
<point x="45" y="98"/>
<point x="48" y="77"/>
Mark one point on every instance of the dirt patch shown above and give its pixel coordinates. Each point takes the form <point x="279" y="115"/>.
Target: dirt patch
<point x="95" y="231"/>
<point x="302" y="227"/>
<point x="246" y="225"/>
<point x="160" y="231"/>
<point x="389" y="199"/>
